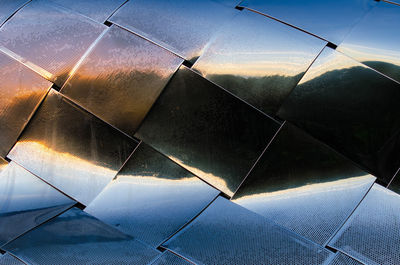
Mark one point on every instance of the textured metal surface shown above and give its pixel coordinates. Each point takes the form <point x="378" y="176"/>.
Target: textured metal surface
<point x="152" y="197"/>
<point x="71" y="149"/>
<point x="258" y="59"/>
<point x="375" y="42"/>
<point x="123" y="70"/>
<point x="372" y="233"/>
<point x="9" y="7"/>
<point x="77" y="238"/>
<point x="49" y="38"/>
<point x="25" y="201"/>
<point x="169" y="258"/>
<point x="301" y="184"/>
<point x="98" y="10"/>
<point x="182" y="26"/>
<point x="342" y="259"/>
<point x="194" y="115"/>
<point x="351" y="108"/>
<point x="21" y="91"/>
<point x="328" y="19"/>
<point x="8" y="259"/>
<point x="250" y="239"/>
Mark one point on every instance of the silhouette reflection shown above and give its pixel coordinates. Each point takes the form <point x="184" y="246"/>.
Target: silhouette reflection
<point x="123" y="70"/>
<point x="303" y="185"/>
<point x="352" y="108"/>
<point x="78" y="238"/>
<point x="25" y="201"/>
<point x="151" y="197"/>
<point x="21" y="91"/>
<point x="71" y="149"/>
<point x="258" y="59"/>
<point x="190" y="118"/>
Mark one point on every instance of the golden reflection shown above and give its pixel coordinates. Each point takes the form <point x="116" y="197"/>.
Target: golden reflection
<point x="216" y="181"/>
<point x="307" y="190"/>
<point x="155" y="180"/>
<point x="365" y="53"/>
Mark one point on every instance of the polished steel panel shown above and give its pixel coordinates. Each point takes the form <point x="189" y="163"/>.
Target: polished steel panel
<point x="151" y="198"/>
<point x="258" y="59"/>
<point x="48" y="38"/>
<point x="206" y="130"/>
<point x="26" y="201"/>
<point x="303" y="185"/>
<point x="375" y="40"/>
<point x="169" y="258"/>
<point x="352" y="108"/>
<point x="342" y="259"/>
<point x="78" y="238"/>
<point x="98" y="10"/>
<point x="71" y="149"/>
<point x="8" y="259"/>
<point x="9" y="7"/>
<point x="372" y="233"/>
<point x="182" y="26"/>
<point x="21" y="91"/>
<point x="121" y="78"/>
<point x="328" y="19"/>
<point x="226" y="233"/>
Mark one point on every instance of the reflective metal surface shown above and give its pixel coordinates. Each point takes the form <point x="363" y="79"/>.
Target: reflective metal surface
<point x="21" y="91"/>
<point x="48" y="38"/>
<point x="71" y="149"/>
<point x="169" y="258"/>
<point x="258" y="59"/>
<point x="25" y="201"/>
<point x="78" y="238"/>
<point x="372" y="233"/>
<point x="304" y="186"/>
<point x="234" y="235"/>
<point x="375" y="40"/>
<point x="98" y="10"/>
<point x="123" y="70"/>
<point x="351" y="108"/>
<point x="182" y="26"/>
<point x="9" y="7"/>
<point x="151" y="198"/>
<point x="342" y="259"/>
<point x="8" y="259"/>
<point x="189" y="120"/>
<point x="395" y="183"/>
<point x="328" y="19"/>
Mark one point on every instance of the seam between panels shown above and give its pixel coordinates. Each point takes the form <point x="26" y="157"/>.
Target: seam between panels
<point x="15" y="12"/>
<point x="114" y="11"/>
<point x="259" y="157"/>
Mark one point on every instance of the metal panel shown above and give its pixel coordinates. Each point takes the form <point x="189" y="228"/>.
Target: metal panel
<point x="258" y="59"/>
<point x="71" y="149"/>
<point x="351" y="108"/>
<point x="342" y="259"/>
<point x="372" y="233"/>
<point x="48" y="38"/>
<point x="328" y="19"/>
<point x="21" y="92"/>
<point x="206" y="130"/>
<point x="152" y="197"/>
<point x="123" y="70"/>
<point x="98" y="10"/>
<point x="395" y="183"/>
<point x="9" y="7"/>
<point x="8" y="259"/>
<point x="182" y="26"/>
<point x="375" y="42"/>
<point x="26" y="202"/>
<point x="303" y="185"/>
<point x="234" y="235"/>
<point x="78" y="238"/>
<point x="169" y="258"/>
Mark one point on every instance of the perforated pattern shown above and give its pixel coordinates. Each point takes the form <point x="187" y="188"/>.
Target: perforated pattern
<point x="372" y="234"/>
<point x="342" y="259"/>
<point x="7" y="259"/>
<point x="169" y="258"/>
